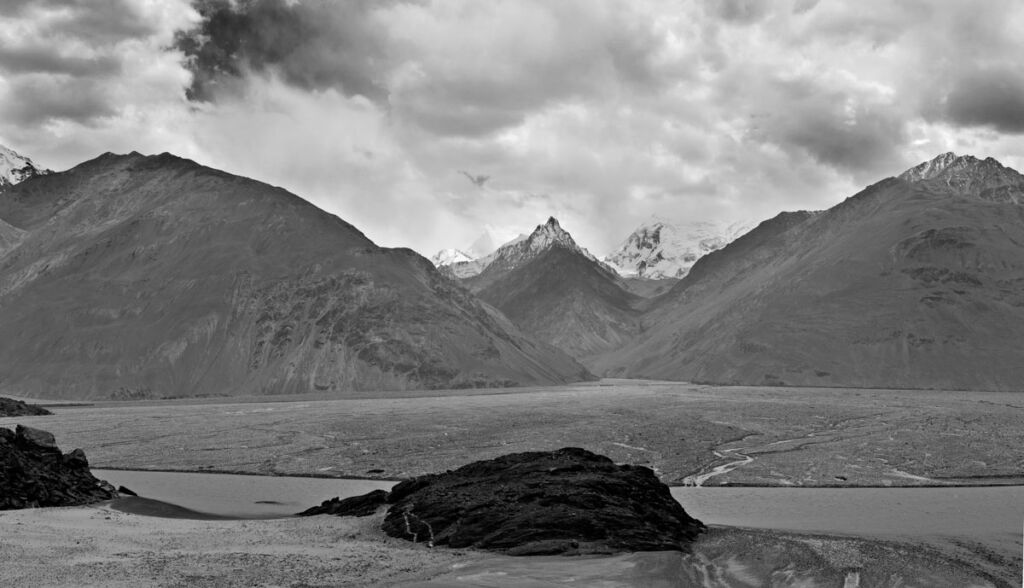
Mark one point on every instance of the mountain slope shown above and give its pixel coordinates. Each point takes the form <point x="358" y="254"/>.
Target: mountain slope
<point x="153" y="276"/>
<point x="16" y="168"/>
<point x="917" y="282"/>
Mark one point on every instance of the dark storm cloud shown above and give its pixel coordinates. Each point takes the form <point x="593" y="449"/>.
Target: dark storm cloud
<point x="992" y="98"/>
<point x="316" y="44"/>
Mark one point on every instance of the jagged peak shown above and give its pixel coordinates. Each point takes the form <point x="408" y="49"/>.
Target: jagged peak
<point x="986" y="178"/>
<point x="548" y="234"/>
<point x="952" y="164"/>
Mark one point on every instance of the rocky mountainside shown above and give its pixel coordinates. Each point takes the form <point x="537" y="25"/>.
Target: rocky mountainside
<point x="139" y="277"/>
<point x="915" y="282"/>
<point x="661" y="249"/>
<point x="16" y="168"/>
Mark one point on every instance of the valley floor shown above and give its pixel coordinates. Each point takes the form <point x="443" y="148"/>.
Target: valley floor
<point x="687" y="433"/>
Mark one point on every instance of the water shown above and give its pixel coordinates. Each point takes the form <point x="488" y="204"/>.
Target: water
<point x="236" y="495"/>
<point x="959" y="511"/>
<point x="981" y="513"/>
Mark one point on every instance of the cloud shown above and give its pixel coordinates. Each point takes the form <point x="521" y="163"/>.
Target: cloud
<point x="741" y="11"/>
<point x="75" y="62"/>
<point x="992" y="98"/>
<point x="315" y="45"/>
<point x="466" y="70"/>
<point x="600" y="114"/>
<point x="41" y="98"/>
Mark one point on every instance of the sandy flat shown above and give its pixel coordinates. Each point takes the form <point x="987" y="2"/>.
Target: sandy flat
<point x="99" y="546"/>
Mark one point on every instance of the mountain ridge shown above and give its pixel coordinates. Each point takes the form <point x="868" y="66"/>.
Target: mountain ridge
<point x="141" y="276"/>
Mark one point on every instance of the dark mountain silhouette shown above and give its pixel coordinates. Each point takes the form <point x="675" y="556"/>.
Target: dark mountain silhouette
<point x="133" y="276"/>
<point x="916" y="282"/>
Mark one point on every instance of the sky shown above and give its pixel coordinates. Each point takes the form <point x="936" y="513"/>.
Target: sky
<point x="425" y="122"/>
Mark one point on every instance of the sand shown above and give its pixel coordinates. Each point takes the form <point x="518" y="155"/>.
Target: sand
<point x="99" y="546"/>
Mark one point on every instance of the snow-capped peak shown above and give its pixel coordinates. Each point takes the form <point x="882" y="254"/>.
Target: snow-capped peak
<point x="15" y="168"/>
<point x="661" y="249"/>
<point x="449" y="256"/>
<point x="986" y="178"/>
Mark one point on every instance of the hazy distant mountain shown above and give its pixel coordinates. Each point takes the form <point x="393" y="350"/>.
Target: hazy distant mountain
<point x="917" y="281"/>
<point x="16" y="168"/>
<point x="557" y="291"/>
<point x="662" y="249"/>
<point x="136" y="276"/>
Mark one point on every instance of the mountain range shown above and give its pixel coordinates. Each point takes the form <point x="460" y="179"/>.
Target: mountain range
<point x="136" y="277"/>
<point x="915" y="282"/>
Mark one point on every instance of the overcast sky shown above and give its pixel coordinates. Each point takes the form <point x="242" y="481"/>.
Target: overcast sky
<point x="423" y="122"/>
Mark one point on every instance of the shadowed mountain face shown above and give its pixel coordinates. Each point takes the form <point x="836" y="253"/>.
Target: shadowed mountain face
<point x="132" y="276"/>
<point x="918" y="282"/>
<point x="559" y="293"/>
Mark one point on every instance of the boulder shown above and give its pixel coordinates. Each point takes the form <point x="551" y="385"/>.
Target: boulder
<point x="34" y="473"/>
<point x="356" y="506"/>
<point x="10" y="407"/>
<point x="569" y="501"/>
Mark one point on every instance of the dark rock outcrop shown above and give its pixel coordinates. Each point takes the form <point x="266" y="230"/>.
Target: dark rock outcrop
<point x="356" y="506"/>
<point x="569" y="501"/>
<point x="34" y="473"/>
<point x="10" y="407"/>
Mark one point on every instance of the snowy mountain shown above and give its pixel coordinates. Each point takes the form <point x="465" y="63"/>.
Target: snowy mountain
<point x="449" y="256"/>
<point x="15" y="168"/>
<point x="661" y="249"/>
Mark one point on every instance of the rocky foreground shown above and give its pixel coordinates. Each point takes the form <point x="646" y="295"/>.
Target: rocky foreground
<point x="10" y="407"/>
<point x="34" y="473"/>
<point x="569" y="501"/>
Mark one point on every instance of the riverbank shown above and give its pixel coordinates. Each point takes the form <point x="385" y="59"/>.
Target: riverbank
<point x="90" y="546"/>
